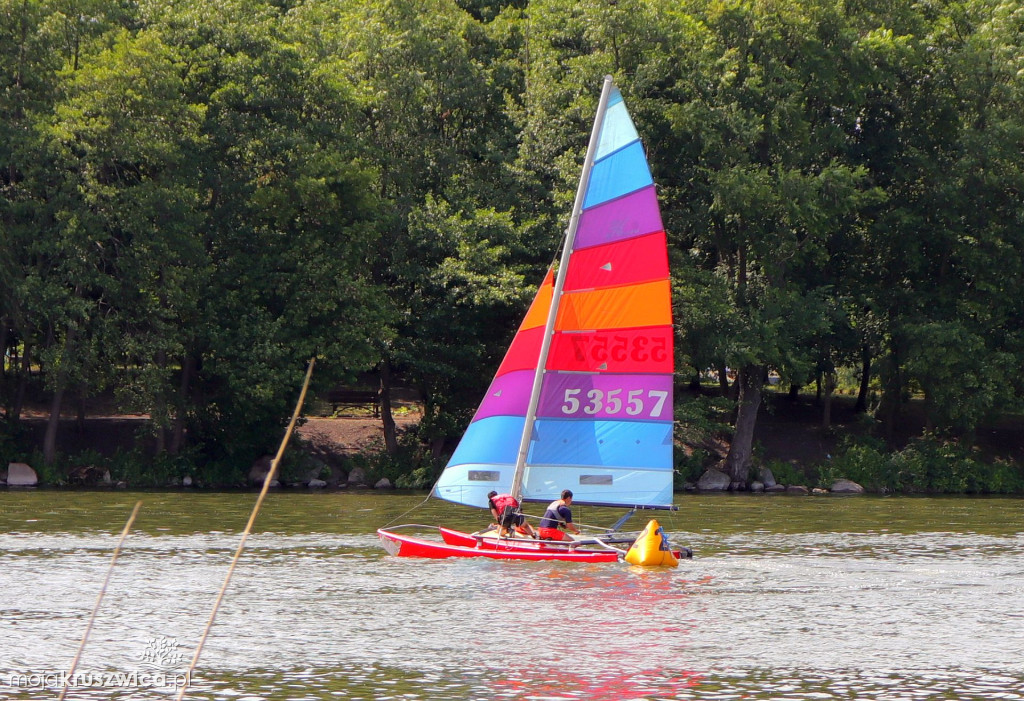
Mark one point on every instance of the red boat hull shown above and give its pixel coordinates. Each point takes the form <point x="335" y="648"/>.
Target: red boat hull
<point x="453" y="537"/>
<point x="413" y="546"/>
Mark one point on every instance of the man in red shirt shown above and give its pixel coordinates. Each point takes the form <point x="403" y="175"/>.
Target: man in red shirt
<point x="505" y="510"/>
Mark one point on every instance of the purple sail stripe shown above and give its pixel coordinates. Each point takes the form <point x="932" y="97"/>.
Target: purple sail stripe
<point x="508" y="395"/>
<point x="633" y="215"/>
<point x="607" y="396"/>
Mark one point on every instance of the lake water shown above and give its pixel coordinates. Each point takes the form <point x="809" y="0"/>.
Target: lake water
<point x="785" y="598"/>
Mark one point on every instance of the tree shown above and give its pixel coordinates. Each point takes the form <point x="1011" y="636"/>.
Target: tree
<point x="430" y="127"/>
<point x="284" y="229"/>
<point x="123" y="219"/>
<point x="770" y="119"/>
<point x="942" y="135"/>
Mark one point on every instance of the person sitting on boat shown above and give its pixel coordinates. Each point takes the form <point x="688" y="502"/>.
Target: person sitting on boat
<point x="558" y="516"/>
<point x="506" y="513"/>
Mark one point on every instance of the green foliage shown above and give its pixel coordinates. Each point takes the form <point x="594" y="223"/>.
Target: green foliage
<point x="700" y="421"/>
<point x="701" y="418"/>
<point x="197" y="198"/>
<point x="689" y="466"/>
<point x="929" y="464"/>
<point x="786" y="473"/>
<point x="50" y="474"/>
<point x="865" y="461"/>
<point x="224" y="473"/>
<point x="411" y="467"/>
<point x="138" y="469"/>
<point x="9" y="448"/>
<point x="297" y="465"/>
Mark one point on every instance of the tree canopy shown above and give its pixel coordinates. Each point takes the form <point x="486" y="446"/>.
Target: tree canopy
<point x="198" y="197"/>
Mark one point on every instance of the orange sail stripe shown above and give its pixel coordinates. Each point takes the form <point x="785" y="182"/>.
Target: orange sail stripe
<point x="647" y="304"/>
<point x="538" y="314"/>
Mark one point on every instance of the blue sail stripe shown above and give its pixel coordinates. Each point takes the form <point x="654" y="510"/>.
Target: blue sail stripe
<point x="630" y="444"/>
<point x="491" y="440"/>
<point x="621" y="147"/>
<point x="629" y="487"/>
<point x="624" y="171"/>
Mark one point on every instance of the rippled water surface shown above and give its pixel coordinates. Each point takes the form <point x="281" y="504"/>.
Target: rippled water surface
<point x="786" y="598"/>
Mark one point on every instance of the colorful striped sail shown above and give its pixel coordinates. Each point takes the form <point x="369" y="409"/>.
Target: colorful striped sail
<point x="601" y="419"/>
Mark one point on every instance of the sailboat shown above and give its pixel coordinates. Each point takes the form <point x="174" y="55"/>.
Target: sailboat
<point x="583" y="397"/>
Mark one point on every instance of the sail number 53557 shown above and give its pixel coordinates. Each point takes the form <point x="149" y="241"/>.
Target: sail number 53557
<point x="635" y="402"/>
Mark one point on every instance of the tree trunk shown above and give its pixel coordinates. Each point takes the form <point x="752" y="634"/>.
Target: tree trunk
<point x="160" y="410"/>
<point x="830" y="387"/>
<point x="737" y="462"/>
<point x="723" y="379"/>
<point x="390" y="436"/>
<point x="437" y="447"/>
<point x="794" y="392"/>
<point x="23" y="378"/>
<point x="181" y="410"/>
<point x="929" y="412"/>
<point x="53" y="423"/>
<point x="892" y="397"/>
<point x="80" y="405"/>
<point x="159" y="438"/>
<point x="4" y="403"/>
<point x="865" y="378"/>
<point x="3" y="347"/>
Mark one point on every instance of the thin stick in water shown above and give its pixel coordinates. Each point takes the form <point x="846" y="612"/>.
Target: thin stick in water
<point x="99" y="599"/>
<point x="248" y="529"/>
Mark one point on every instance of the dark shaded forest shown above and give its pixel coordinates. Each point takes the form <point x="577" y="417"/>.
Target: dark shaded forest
<point x="198" y="197"/>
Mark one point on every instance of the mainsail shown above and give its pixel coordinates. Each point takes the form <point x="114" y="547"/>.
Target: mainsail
<point x="597" y="419"/>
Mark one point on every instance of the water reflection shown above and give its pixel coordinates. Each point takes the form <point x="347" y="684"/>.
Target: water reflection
<point x="785" y="599"/>
<point x="593" y="684"/>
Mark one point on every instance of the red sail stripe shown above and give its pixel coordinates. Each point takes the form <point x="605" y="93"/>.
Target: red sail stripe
<point x="639" y="259"/>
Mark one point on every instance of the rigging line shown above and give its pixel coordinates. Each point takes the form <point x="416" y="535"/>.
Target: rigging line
<point x="248" y="528"/>
<point x="425" y="500"/>
<point x="99" y="599"/>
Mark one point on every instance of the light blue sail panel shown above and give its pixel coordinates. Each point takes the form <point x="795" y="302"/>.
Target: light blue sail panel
<point x="591" y="485"/>
<point x="484" y="460"/>
<point x="621" y="173"/>
<point x="617" y="130"/>
<point x="624" y="463"/>
<point x="470" y="483"/>
<point x="615" y="96"/>
<point x="612" y="444"/>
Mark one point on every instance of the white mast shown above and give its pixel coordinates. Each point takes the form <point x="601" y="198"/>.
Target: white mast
<point x="563" y="268"/>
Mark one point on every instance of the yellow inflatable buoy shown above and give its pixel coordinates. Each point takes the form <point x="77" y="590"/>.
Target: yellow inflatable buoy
<point x="651" y="549"/>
